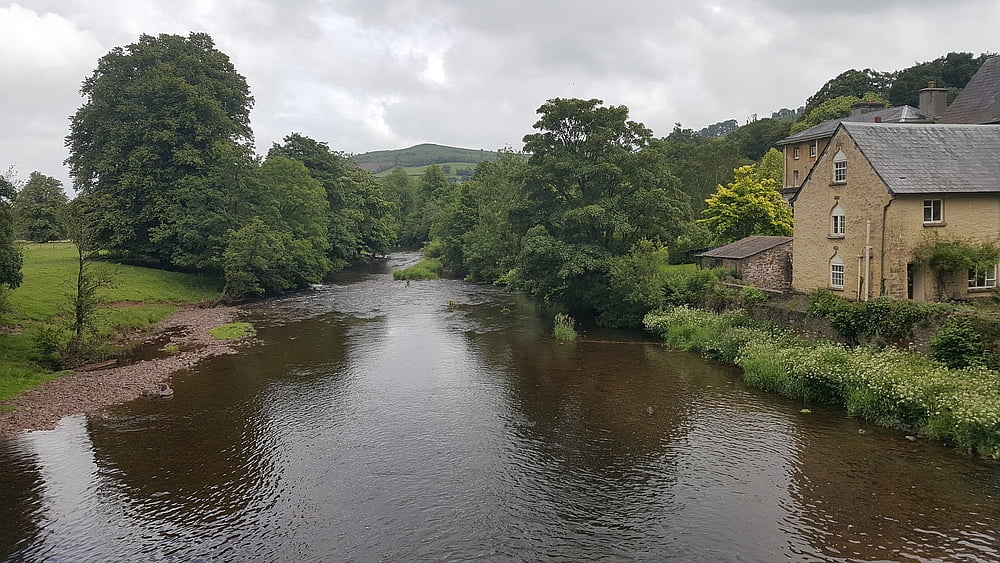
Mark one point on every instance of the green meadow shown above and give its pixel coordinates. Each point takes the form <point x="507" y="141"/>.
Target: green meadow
<point x="140" y="297"/>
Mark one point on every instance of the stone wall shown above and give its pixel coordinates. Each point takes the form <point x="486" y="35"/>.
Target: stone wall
<point x="770" y="269"/>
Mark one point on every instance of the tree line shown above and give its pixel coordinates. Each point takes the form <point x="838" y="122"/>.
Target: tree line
<point x="162" y="159"/>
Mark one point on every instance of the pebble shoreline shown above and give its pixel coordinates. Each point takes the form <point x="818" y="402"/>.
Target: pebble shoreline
<point x="41" y="407"/>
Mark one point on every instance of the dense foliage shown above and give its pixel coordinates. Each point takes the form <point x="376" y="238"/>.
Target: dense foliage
<point x="10" y="256"/>
<point x="886" y="386"/>
<point x="749" y="205"/>
<point x="37" y="208"/>
<point x="164" y="143"/>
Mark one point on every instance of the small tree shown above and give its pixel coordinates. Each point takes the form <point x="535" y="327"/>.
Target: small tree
<point x="950" y="255"/>
<point x="90" y="281"/>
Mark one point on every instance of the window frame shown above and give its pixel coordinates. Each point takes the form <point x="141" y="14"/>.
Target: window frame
<point x="813" y="149"/>
<point x="840" y="168"/>
<point x="795" y="178"/>
<point x="930" y="206"/>
<point x="987" y="279"/>
<point x="795" y="153"/>
<point x="838" y="222"/>
<point x="837" y="273"/>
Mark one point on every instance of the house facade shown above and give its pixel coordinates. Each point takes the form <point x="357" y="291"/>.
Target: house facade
<point x="878" y="190"/>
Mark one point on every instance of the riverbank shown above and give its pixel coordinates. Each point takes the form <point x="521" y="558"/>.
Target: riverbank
<point x="887" y="386"/>
<point x="41" y="407"/>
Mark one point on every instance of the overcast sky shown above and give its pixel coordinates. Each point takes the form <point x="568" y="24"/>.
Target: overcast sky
<point x="368" y="74"/>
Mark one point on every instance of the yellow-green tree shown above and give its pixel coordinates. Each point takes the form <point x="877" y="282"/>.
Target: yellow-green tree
<point x="749" y="205"/>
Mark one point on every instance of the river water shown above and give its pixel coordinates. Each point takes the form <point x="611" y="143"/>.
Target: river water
<point x="375" y="420"/>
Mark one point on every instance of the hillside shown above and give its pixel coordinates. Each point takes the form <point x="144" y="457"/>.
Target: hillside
<point x="419" y="156"/>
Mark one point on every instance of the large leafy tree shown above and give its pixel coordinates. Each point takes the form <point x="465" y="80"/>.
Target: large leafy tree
<point x="361" y="220"/>
<point x="10" y="255"/>
<point x="851" y="82"/>
<point x="702" y="163"/>
<point x="37" y="208"/>
<point x="834" y="108"/>
<point x="952" y="71"/>
<point x="284" y="245"/>
<point x="596" y="184"/>
<point x="749" y="205"/>
<point x="164" y="141"/>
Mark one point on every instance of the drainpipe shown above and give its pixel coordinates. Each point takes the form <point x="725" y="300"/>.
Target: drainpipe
<point x="868" y="257"/>
<point x="885" y="213"/>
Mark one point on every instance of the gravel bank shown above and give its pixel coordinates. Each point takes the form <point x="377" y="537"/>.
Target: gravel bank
<point x="84" y="392"/>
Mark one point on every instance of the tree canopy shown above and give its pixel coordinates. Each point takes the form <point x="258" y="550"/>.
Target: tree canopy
<point x="163" y="140"/>
<point x="10" y="255"/>
<point x="37" y="209"/>
<point x="749" y="205"/>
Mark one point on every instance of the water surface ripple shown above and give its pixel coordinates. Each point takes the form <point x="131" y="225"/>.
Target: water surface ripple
<point x="376" y="420"/>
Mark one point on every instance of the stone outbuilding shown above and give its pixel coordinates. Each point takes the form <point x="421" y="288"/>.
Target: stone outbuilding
<point x="761" y="261"/>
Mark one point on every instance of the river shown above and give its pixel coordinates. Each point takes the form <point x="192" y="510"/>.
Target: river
<point x="377" y="420"/>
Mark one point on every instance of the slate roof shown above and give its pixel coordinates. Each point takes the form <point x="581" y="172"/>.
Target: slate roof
<point x="898" y="114"/>
<point x="917" y="159"/>
<point x="979" y="101"/>
<point x="745" y="247"/>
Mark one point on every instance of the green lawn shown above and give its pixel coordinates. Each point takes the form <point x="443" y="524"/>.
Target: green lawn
<point x="417" y="172"/>
<point x="141" y="297"/>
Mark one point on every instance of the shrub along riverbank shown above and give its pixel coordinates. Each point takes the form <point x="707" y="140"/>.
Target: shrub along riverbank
<point x="887" y="386"/>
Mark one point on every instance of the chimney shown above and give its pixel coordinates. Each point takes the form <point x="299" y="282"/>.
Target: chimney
<point x="933" y="101"/>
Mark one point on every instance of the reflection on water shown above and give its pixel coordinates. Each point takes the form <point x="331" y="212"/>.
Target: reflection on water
<point x="379" y="420"/>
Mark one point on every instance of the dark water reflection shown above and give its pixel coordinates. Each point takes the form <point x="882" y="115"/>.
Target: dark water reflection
<point x="375" y="420"/>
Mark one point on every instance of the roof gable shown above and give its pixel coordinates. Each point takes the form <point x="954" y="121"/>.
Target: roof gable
<point x="979" y="101"/>
<point x="915" y="159"/>
<point x="746" y="247"/>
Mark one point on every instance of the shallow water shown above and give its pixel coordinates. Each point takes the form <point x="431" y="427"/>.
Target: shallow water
<point x="375" y="420"/>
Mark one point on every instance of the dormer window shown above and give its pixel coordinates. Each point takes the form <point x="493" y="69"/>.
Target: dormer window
<point x="838" y="222"/>
<point x="840" y="168"/>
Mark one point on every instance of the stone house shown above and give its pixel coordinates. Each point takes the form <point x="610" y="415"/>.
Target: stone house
<point x="761" y="261"/>
<point x="877" y="190"/>
<point x="803" y="148"/>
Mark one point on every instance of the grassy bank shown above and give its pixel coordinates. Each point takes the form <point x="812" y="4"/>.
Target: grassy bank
<point x="426" y="269"/>
<point x="41" y="308"/>
<point x="891" y="387"/>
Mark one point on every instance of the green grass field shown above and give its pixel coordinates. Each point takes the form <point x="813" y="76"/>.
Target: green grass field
<point x="141" y="297"/>
<point x="416" y="172"/>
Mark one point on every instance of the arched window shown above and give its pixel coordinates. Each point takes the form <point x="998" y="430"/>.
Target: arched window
<point x="836" y="273"/>
<point x="840" y="168"/>
<point x="838" y="222"/>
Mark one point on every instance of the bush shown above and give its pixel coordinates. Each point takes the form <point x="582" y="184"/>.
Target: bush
<point x="956" y="344"/>
<point x="887" y="386"/>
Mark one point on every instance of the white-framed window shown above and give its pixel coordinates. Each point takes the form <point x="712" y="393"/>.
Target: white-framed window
<point x="836" y="273"/>
<point x="795" y="178"/>
<point x="838" y="222"/>
<point x="840" y="168"/>
<point x="813" y="148"/>
<point x="933" y="211"/>
<point x="795" y="153"/>
<point x="983" y="279"/>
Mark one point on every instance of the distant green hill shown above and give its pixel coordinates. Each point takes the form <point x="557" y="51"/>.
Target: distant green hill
<point x="415" y="158"/>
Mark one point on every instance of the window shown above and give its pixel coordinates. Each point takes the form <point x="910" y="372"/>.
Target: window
<point x="840" y="168"/>
<point x="836" y="273"/>
<point x="838" y="222"/>
<point x="795" y="153"/>
<point x="795" y="178"/>
<point x="932" y="211"/>
<point x="983" y="279"/>
<point x="812" y="148"/>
